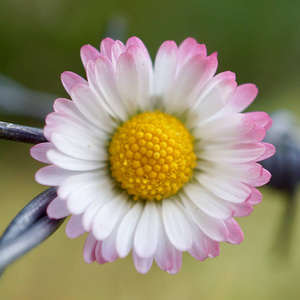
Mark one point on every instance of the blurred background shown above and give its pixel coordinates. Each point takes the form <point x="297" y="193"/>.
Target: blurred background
<point x="39" y="39"/>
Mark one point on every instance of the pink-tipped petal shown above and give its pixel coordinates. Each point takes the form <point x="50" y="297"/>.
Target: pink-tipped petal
<point x="188" y="79"/>
<point x="39" y="151"/>
<point x="137" y="42"/>
<point x="164" y="68"/>
<point x="69" y="79"/>
<point x="74" y="227"/>
<point x="208" y="202"/>
<point x="107" y="83"/>
<point x="189" y="47"/>
<point x="242" y="209"/>
<point x="235" y="233"/>
<point x="234" y="154"/>
<point x="91" y="106"/>
<point x="212" y="227"/>
<point x="105" y="47"/>
<point x="226" y="127"/>
<point x="255" y="197"/>
<point x="109" y="252"/>
<point x="177" y="262"/>
<point x="213" y="247"/>
<point x="214" y="96"/>
<point x="98" y="253"/>
<point x="176" y="225"/>
<point x="261" y="118"/>
<point x="57" y="209"/>
<point x="89" y="249"/>
<point x="230" y="190"/>
<point x="70" y="163"/>
<point x="116" y="50"/>
<point x="165" y="252"/>
<point x="88" y="52"/>
<point x="199" y="249"/>
<point x="142" y="265"/>
<point x="52" y="175"/>
<point x="269" y="151"/>
<point x="262" y="180"/>
<point x="133" y="79"/>
<point x="243" y="97"/>
<point x="212" y="65"/>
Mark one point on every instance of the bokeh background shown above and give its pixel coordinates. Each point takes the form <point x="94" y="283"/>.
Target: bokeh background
<point x="258" y="40"/>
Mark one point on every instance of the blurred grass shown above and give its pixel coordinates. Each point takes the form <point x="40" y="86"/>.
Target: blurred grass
<point x="257" y="40"/>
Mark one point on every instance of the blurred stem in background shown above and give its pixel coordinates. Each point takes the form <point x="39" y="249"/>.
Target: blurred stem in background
<point x="285" y="169"/>
<point x="18" y="100"/>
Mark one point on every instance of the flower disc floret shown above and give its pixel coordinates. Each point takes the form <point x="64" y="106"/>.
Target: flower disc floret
<point x="152" y="156"/>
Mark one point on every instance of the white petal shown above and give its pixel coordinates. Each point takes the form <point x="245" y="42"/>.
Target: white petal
<point x="107" y="82"/>
<point x="176" y="225"/>
<point x="227" y="189"/>
<point x="188" y="78"/>
<point x="133" y="79"/>
<point x="91" y="211"/>
<point x="208" y="202"/>
<point x="68" y="115"/>
<point x="80" y="180"/>
<point x="164" y="68"/>
<point x="214" y="96"/>
<point x="126" y="231"/>
<point x="67" y="109"/>
<point x="237" y="153"/>
<point x="212" y="227"/>
<point x="226" y="127"/>
<point x="81" y="198"/>
<point x="108" y="216"/>
<point x="81" y="148"/>
<point x="73" y="128"/>
<point x="239" y="172"/>
<point x="94" y="206"/>
<point x="74" y="164"/>
<point x="91" y="106"/>
<point x="146" y="235"/>
<point x="109" y="250"/>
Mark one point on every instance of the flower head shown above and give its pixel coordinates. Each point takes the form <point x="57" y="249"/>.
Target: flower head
<point x="154" y="159"/>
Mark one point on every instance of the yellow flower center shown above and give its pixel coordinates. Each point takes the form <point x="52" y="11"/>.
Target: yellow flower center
<point x="152" y="156"/>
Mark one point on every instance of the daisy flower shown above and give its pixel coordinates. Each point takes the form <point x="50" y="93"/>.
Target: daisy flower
<point x="153" y="159"/>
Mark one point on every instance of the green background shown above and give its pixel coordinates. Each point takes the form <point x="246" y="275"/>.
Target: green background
<point x="258" y="40"/>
